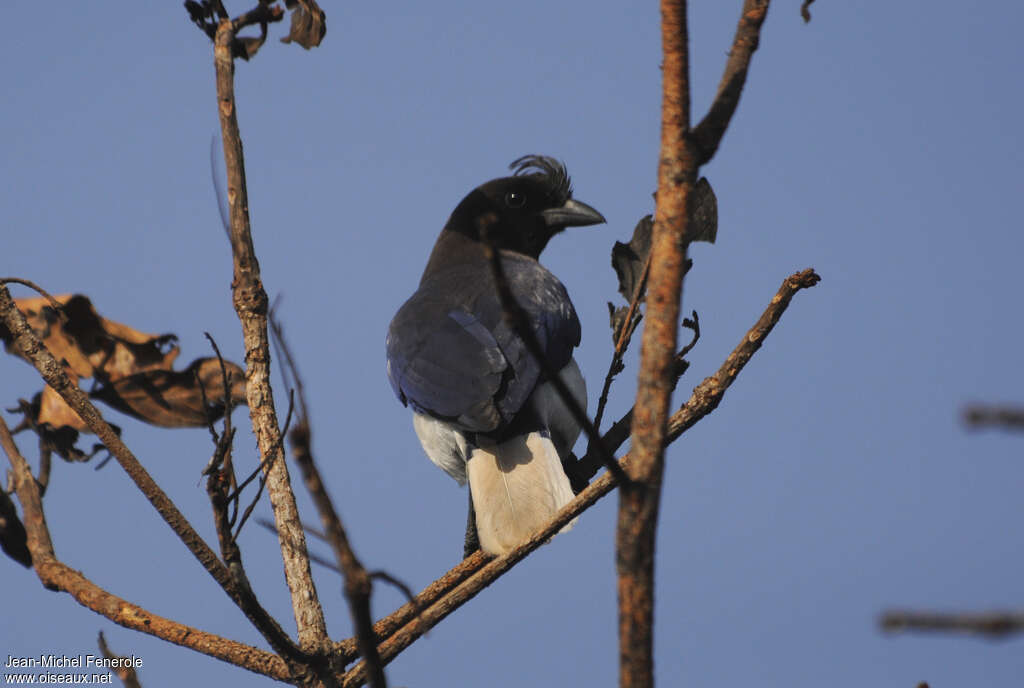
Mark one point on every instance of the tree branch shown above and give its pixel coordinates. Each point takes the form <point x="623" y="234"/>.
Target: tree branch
<point x="708" y="394"/>
<point x="348" y="650"/>
<point x="995" y="624"/>
<point x="639" y="502"/>
<point x="1001" y="417"/>
<point x="250" y="302"/>
<point x="357" y="581"/>
<point x="682" y="153"/>
<point x="218" y="484"/>
<point x="57" y="576"/>
<point x="587" y="466"/>
<point x="629" y="323"/>
<point x="708" y="134"/>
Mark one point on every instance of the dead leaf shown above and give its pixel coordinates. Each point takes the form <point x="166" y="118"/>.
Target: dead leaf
<point x="705" y="214"/>
<point x="308" y="25"/>
<point x="133" y="370"/>
<point x="54" y="411"/>
<point x="59" y="439"/>
<point x="13" y="538"/>
<point x="629" y="259"/>
<point x="175" y="399"/>
<point x="90" y="345"/>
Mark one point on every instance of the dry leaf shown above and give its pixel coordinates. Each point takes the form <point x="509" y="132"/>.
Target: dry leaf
<point x="132" y="368"/>
<point x="13" y="538"/>
<point x="175" y="399"/>
<point x="309" y="23"/>
<point x="57" y="439"/>
<point x="90" y="345"/>
<point x="628" y="259"/>
<point x="53" y="410"/>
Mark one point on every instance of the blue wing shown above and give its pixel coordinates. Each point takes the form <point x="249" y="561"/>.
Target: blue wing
<point x="451" y="354"/>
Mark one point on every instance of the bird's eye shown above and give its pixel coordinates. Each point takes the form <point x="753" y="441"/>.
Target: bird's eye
<point x="514" y="199"/>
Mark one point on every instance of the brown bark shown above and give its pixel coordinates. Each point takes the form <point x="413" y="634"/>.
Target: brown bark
<point x="57" y="576"/>
<point x="250" y="302"/>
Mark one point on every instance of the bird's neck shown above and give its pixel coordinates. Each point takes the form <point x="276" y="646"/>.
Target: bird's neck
<point x="453" y="248"/>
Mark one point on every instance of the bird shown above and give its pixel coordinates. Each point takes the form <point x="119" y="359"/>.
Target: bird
<point x="483" y="410"/>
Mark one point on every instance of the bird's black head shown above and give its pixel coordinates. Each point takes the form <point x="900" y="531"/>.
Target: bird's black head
<point x="522" y="212"/>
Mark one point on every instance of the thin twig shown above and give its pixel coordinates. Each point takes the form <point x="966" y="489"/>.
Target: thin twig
<point x="218" y="483"/>
<point x="263" y="481"/>
<point x="993" y="624"/>
<point x="45" y="465"/>
<point x="587" y="466"/>
<point x="348" y="649"/>
<point x="401" y="586"/>
<point x="358" y="586"/>
<point x="1000" y="417"/>
<point x="709" y="393"/>
<point x="249" y="509"/>
<point x="629" y="324"/>
<point x="57" y="306"/>
<point x="708" y="134"/>
<point x="805" y="10"/>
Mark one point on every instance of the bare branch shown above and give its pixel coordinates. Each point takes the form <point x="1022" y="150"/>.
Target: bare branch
<point x="1001" y="417"/>
<point x="386" y="627"/>
<point x="54" y="303"/>
<point x="629" y="323"/>
<point x="708" y="394"/>
<point x="250" y="302"/>
<point x="805" y="10"/>
<point x="586" y="467"/>
<point x="994" y="624"/>
<point x="681" y="154"/>
<point x="708" y="134"/>
<point x="639" y="502"/>
<point x="357" y="582"/>
<point x="55" y="575"/>
<point x="358" y="586"/>
<point x="218" y="484"/>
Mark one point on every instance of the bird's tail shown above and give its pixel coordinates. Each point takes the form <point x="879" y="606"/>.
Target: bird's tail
<point x="517" y="487"/>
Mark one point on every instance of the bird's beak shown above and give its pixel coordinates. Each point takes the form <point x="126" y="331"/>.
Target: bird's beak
<point x="572" y="213"/>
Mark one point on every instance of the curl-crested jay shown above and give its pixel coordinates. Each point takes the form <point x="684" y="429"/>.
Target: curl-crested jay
<point x="482" y="407"/>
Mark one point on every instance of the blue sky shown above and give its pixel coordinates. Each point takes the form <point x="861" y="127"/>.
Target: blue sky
<point x="880" y="145"/>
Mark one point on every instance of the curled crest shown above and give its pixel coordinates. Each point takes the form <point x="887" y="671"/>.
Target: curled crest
<point x="551" y="170"/>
